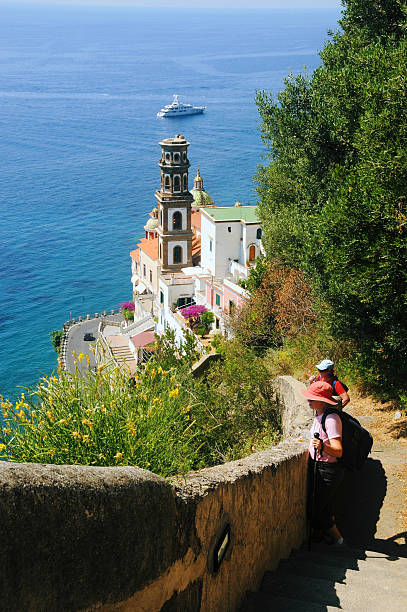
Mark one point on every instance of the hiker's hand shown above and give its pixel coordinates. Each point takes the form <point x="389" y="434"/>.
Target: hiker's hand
<point x="312" y="379"/>
<point x="316" y="443"/>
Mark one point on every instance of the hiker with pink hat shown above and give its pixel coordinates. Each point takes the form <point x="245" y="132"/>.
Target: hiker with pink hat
<point x="325" y="472"/>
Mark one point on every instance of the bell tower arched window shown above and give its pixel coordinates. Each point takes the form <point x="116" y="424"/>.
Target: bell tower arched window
<point x="177" y="254"/>
<point x="185" y="182"/>
<point x="177" y="183"/>
<point x="167" y="182"/>
<point x="177" y="220"/>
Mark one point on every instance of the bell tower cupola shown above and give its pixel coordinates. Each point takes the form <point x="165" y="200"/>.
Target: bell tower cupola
<point x="174" y="206"/>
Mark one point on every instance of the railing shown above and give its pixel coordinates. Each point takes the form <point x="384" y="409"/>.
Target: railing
<point x="238" y="270"/>
<point x="129" y="328"/>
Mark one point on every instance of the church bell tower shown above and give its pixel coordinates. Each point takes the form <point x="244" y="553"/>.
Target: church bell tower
<point x="174" y="206"/>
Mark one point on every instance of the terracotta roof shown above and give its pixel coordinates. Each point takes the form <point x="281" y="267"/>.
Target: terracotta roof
<point x="143" y="339"/>
<point x="135" y="255"/>
<point x="149" y="247"/>
<point x="196" y="219"/>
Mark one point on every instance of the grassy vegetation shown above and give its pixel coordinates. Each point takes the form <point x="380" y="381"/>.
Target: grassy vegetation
<point x="164" y="420"/>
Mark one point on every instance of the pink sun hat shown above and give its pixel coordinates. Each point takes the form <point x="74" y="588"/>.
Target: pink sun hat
<point x="321" y="391"/>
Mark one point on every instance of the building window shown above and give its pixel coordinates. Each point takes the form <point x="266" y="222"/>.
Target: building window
<point x="161" y="297"/>
<point x="167" y="182"/>
<point x="168" y="157"/>
<point x="177" y="254"/>
<point x="210" y="245"/>
<point x="217" y="299"/>
<point x="177" y="220"/>
<point x="177" y="158"/>
<point x="144" y="270"/>
<point x="185" y="182"/>
<point x="151" y="276"/>
<point x="177" y="183"/>
<point x="229" y="229"/>
<point x="252" y="253"/>
<point x="231" y="306"/>
<point x="184" y="156"/>
<point x="258" y="234"/>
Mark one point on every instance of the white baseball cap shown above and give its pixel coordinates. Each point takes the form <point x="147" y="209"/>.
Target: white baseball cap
<point x="326" y="364"/>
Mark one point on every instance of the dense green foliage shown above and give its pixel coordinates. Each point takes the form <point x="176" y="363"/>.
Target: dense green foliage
<point x="56" y="338"/>
<point x="163" y="420"/>
<point x="333" y="195"/>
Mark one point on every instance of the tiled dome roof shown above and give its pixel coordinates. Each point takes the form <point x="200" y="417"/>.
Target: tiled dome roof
<point x="151" y="224"/>
<point x="201" y="198"/>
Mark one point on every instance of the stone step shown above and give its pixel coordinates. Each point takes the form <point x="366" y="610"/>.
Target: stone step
<point x="264" y="602"/>
<point x="369" y="569"/>
<point x="356" y="594"/>
<point x="352" y="558"/>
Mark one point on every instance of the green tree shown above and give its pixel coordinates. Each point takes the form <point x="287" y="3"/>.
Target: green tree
<point x="333" y="195"/>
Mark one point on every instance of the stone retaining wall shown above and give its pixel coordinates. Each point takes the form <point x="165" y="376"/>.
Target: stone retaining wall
<point x="123" y="539"/>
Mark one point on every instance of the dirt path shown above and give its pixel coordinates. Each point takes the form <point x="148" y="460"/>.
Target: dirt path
<point x="374" y="506"/>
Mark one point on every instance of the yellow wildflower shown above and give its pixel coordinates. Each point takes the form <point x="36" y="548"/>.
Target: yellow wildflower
<point x="80" y="357"/>
<point x="50" y="416"/>
<point x="159" y="370"/>
<point x="85" y="438"/>
<point x="76" y="434"/>
<point x="63" y="422"/>
<point x="174" y="392"/>
<point x="100" y="456"/>
<point x="87" y="422"/>
<point x="118" y="456"/>
<point x="51" y="452"/>
<point x="3" y="447"/>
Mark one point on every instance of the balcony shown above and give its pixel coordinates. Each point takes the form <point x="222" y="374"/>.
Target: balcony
<point x="238" y="270"/>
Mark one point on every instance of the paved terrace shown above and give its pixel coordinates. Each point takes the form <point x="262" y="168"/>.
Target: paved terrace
<point x="76" y="343"/>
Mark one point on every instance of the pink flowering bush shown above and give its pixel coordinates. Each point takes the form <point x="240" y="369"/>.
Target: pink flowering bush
<point x="193" y="311"/>
<point x="127" y="310"/>
<point x="127" y="306"/>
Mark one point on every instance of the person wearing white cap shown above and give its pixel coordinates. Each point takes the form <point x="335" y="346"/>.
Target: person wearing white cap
<point x="326" y="373"/>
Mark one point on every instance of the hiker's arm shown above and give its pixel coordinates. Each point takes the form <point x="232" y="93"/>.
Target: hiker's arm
<point x="345" y="399"/>
<point x="332" y="448"/>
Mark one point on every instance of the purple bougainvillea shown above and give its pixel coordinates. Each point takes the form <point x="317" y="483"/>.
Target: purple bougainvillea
<point x="127" y="306"/>
<point x="192" y="311"/>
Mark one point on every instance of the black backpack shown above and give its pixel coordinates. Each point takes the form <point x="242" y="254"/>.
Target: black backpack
<point x="356" y="441"/>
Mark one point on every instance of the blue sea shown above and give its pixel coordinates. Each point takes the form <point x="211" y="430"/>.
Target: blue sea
<point x="79" y="92"/>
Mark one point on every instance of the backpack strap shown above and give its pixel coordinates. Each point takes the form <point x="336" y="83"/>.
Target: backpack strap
<point x="325" y="414"/>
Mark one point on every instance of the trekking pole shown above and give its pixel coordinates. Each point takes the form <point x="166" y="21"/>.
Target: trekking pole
<point x="316" y="435"/>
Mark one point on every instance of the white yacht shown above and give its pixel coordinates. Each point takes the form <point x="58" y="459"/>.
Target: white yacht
<point x="179" y="109"/>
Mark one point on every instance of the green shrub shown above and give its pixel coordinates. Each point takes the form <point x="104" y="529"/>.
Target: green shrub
<point x="56" y="338"/>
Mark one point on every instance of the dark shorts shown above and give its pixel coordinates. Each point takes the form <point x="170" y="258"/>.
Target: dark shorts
<point x="328" y="478"/>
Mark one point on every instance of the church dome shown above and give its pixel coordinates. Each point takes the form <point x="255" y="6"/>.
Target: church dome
<point x="201" y="197"/>
<point x="151" y="224"/>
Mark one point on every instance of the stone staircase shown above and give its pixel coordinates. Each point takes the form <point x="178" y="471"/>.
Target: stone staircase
<point x="333" y="578"/>
<point x="122" y="354"/>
